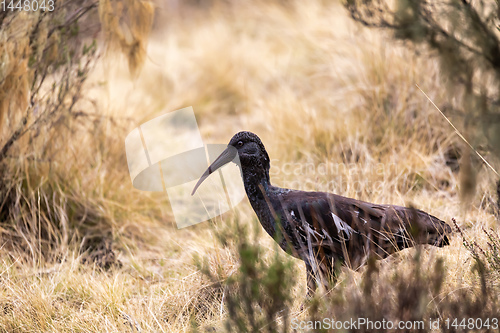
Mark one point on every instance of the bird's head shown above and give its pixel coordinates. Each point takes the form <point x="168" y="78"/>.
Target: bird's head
<point x="250" y="150"/>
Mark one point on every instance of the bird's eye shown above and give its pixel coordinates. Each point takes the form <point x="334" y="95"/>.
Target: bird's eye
<point x="240" y="143"/>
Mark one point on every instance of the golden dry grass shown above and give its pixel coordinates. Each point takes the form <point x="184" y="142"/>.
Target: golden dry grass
<point x="336" y="106"/>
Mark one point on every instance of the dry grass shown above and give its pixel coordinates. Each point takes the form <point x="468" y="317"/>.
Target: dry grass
<point x="316" y="88"/>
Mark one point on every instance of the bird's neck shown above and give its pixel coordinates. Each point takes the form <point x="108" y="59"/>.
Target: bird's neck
<point x="257" y="182"/>
<point x="259" y="189"/>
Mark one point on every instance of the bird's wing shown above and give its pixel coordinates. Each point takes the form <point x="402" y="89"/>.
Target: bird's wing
<point x="354" y="228"/>
<point x="332" y="215"/>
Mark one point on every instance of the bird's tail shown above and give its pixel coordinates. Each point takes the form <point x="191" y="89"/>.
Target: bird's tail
<point x="428" y="229"/>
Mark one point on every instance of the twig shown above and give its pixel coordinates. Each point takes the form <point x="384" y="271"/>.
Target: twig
<point x="459" y="134"/>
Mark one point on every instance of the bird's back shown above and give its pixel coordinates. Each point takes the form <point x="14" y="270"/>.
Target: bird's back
<point x="350" y="229"/>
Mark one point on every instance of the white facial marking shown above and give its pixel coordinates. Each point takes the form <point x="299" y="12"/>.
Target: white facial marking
<point x="292" y="213"/>
<point x="342" y="226"/>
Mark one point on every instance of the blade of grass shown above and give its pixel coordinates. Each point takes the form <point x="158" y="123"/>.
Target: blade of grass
<point x="458" y="132"/>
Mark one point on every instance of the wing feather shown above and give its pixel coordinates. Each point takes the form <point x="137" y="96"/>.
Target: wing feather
<point x="350" y="228"/>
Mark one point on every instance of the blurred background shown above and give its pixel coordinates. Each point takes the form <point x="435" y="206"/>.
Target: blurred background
<point x="331" y="89"/>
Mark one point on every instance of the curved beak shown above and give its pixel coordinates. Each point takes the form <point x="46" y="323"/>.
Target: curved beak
<point x="224" y="158"/>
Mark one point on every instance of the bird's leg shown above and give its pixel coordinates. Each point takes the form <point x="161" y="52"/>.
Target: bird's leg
<point x="325" y="273"/>
<point x="330" y="275"/>
<point x="311" y="280"/>
<point x="311" y="284"/>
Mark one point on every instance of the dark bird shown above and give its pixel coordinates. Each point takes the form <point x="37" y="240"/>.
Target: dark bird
<point x="325" y="230"/>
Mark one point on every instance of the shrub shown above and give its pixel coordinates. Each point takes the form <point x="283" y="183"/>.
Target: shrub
<point x="52" y="191"/>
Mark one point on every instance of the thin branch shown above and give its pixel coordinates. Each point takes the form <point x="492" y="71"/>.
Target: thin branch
<point x="458" y="132"/>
